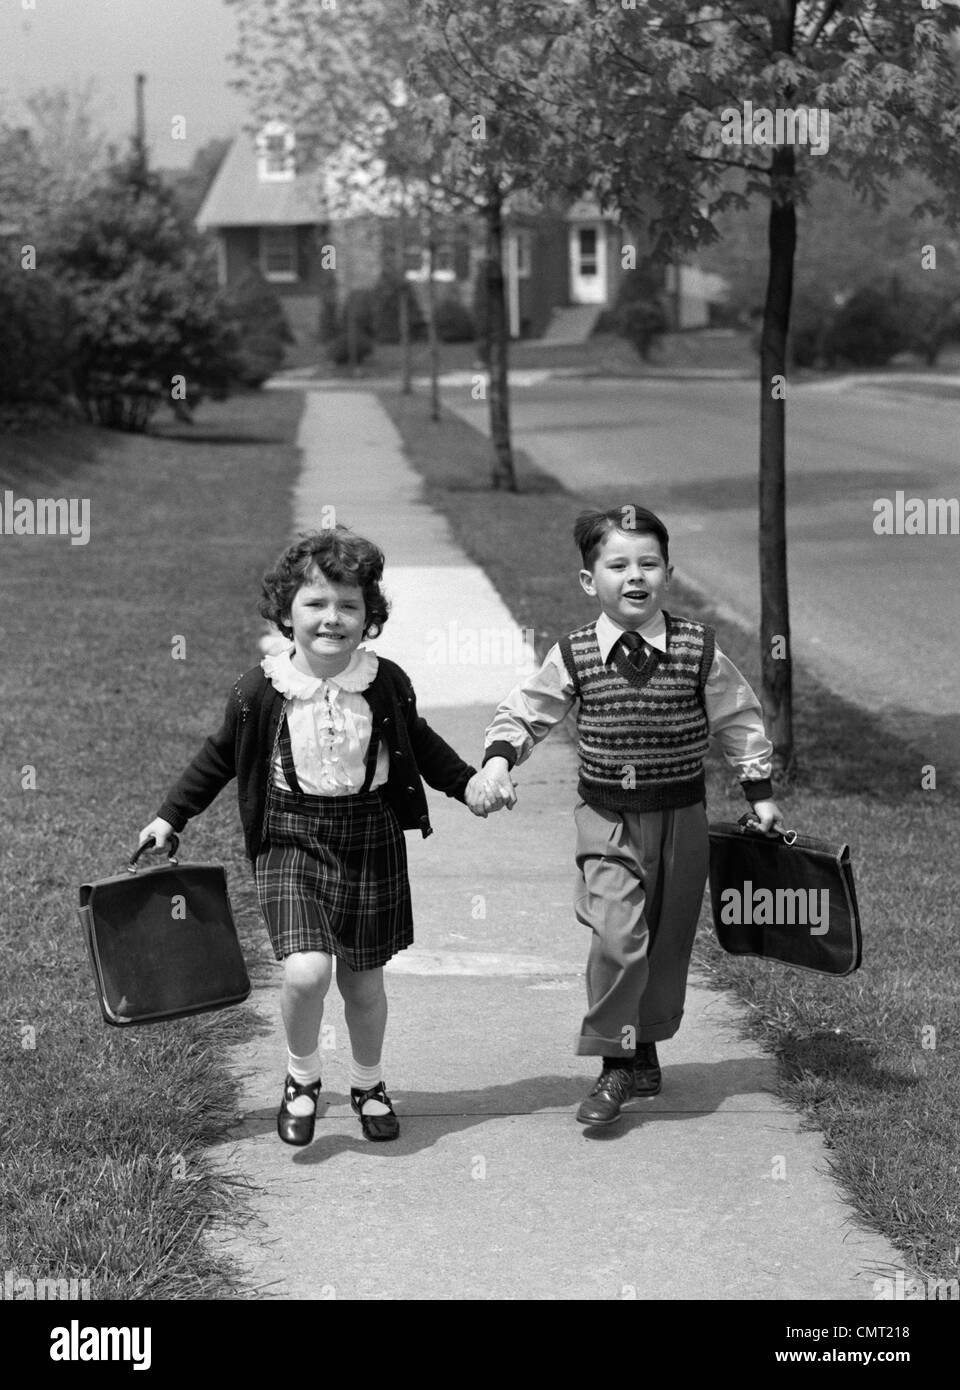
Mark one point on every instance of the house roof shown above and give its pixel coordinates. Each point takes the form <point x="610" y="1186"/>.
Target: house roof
<point x="238" y="197"/>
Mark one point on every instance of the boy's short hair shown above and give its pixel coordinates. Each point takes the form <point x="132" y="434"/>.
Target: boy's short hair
<point x="344" y="558"/>
<point x="590" y="529"/>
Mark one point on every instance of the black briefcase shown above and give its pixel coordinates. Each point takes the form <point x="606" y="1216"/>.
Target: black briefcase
<point x="162" y="941"/>
<point x="786" y="897"/>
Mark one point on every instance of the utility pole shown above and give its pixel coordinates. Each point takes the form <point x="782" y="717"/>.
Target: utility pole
<point x="140" y="125"/>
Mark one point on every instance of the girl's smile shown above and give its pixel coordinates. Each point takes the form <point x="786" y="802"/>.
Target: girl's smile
<point x="327" y="620"/>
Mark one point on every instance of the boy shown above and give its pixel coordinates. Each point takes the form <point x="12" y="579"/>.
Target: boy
<point x="652" y="688"/>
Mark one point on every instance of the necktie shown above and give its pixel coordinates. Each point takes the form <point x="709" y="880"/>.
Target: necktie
<point x="632" y="644"/>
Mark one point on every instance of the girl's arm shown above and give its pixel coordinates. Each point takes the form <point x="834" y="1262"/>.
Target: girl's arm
<point x="205" y="775"/>
<point x="440" y="765"/>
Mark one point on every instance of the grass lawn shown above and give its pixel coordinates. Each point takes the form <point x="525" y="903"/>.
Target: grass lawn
<point x="872" y="1059"/>
<point x="605" y="354"/>
<point x="104" y="1176"/>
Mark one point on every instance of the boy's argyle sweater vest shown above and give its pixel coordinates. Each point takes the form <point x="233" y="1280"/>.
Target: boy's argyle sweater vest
<point x="643" y="728"/>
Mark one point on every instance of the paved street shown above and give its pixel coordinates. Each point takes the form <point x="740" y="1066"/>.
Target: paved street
<point x="877" y="616"/>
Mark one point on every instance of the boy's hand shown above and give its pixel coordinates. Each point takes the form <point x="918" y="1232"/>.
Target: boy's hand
<point x="161" y="830"/>
<point x="491" y="788"/>
<point x="769" y="815"/>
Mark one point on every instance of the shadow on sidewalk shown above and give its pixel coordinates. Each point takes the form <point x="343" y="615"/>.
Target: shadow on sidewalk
<point x="693" y="1089"/>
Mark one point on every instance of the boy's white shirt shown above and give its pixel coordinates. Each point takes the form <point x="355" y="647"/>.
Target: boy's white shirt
<point x="540" y="701"/>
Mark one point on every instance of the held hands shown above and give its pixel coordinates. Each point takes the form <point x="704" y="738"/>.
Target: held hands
<point x="491" y="788"/>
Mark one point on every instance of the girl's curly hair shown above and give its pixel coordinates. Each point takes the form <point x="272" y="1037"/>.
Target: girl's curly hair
<point x="340" y="555"/>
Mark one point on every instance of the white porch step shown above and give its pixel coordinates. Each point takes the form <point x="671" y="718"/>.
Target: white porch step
<point x="572" y="324"/>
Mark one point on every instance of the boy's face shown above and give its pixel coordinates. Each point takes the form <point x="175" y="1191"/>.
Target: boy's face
<point x="629" y="577"/>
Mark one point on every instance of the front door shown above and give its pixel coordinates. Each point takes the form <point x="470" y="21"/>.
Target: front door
<point x="588" y="263"/>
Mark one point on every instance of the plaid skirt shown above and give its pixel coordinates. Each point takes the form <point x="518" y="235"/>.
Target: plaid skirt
<point x="332" y="876"/>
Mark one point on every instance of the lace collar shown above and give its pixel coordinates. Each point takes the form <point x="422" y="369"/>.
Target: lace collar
<point x="284" y="676"/>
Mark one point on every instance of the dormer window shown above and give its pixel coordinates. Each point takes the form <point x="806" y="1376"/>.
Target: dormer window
<point x="275" y="152"/>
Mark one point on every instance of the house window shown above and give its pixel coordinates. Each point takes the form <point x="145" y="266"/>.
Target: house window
<point x="588" y="251"/>
<point x="275" y="153"/>
<point x="416" y="261"/>
<point x="278" y="253"/>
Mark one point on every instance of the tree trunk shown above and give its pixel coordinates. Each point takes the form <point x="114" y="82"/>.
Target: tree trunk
<point x="776" y="658"/>
<point x="350" y="315"/>
<point x="403" y="307"/>
<point x="503" y="475"/>
<point x="432" y="315"/>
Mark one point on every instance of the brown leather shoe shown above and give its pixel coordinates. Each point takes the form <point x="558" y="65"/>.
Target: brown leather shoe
<point x="604" y="1103"/>
<point x="647" y="1076"/>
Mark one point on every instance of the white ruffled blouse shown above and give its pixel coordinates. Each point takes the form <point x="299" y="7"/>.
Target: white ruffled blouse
<point x="330" y="725"/>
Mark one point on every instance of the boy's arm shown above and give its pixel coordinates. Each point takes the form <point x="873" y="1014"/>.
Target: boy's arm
<point x="534" y="706"/>
<point x="735" y="716"/>
<point x="206" y="775"/>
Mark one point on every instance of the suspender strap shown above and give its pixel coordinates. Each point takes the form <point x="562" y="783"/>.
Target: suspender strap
<point x="286" y="758"/>
<point x="290" y="772"/>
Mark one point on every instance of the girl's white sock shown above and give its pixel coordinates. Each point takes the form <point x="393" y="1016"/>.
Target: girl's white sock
<point x="364" y="1079"/>
<point x="304" y="1070"/>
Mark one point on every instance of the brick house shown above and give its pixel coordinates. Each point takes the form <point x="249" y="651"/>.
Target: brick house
<point x="562" y="267"/>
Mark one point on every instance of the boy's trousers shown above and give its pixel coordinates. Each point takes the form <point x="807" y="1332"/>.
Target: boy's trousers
<point x="640" y="882"/>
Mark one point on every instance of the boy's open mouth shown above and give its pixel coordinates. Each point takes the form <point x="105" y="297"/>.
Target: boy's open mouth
<point x="636" y="594"/>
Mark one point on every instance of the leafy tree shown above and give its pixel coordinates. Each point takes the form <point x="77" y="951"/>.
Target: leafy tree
<point x="148" y="322"/>
<point x="484" y="79"/>
<point x="52" y="152"/>
<point x="335" y="74"/>
<point x="653" y="104"/>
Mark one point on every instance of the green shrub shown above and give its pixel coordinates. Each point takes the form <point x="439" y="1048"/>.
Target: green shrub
<point x="147" y="310"/>
<point x="388" y="291"/>
<point x="261" y="328"/>
<point x="868" y="329"/>
<point x="454" y="322"/>
<point x="638" y="313"/>
<point x="34" y="322"/>
<point x="811" y="322"/>
<point x="338" y="350"/>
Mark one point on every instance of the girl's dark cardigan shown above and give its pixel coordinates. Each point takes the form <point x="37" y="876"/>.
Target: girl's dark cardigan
<point x="243" y="748"/>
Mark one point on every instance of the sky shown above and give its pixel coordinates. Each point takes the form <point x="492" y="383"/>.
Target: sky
<point x="181" y="46"/>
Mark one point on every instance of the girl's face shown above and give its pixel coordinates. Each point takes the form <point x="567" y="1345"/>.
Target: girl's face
<point x="327" y="621"/>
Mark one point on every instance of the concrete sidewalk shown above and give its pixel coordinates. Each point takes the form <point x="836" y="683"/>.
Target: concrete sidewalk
<point x="493" y="1191"/>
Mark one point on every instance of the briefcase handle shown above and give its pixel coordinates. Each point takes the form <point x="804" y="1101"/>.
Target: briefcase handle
<point x="151" y="843"/>
<point x="748" y="821"/>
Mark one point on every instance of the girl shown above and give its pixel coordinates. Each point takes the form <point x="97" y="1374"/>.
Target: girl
<point x="327" y="747"/>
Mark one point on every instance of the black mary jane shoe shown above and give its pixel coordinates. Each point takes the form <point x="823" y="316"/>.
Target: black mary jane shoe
<point x="375" y="1127"/>
<point x="297" y="1129"/>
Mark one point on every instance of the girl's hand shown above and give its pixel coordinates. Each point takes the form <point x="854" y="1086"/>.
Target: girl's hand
<point x="769" y="815"/>
<point x="491" y="788"/>
<point x="161" y="830"/>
